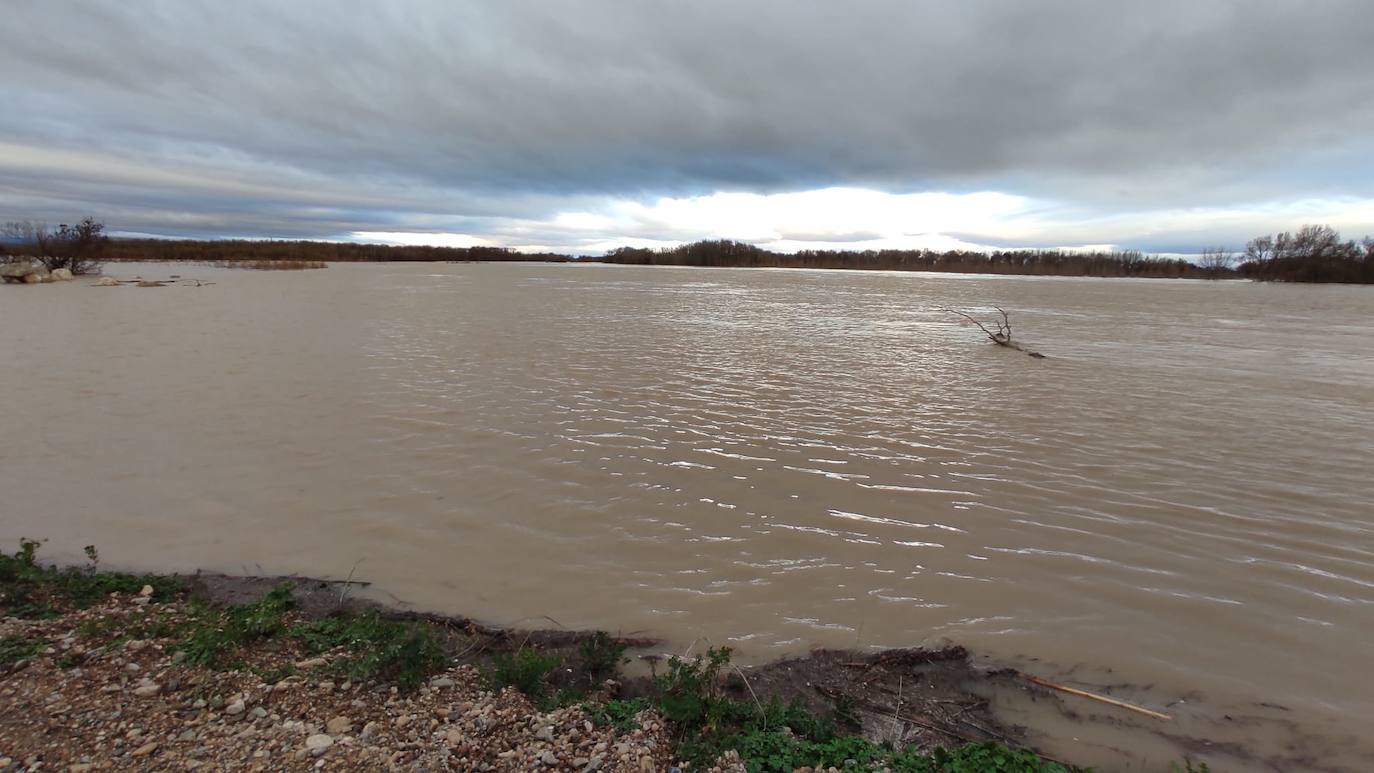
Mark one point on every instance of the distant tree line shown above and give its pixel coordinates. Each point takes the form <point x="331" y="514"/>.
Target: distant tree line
<point x="1315" y="253"/>
<point x="225" y="250"/>
<point x="1033" y="262"/>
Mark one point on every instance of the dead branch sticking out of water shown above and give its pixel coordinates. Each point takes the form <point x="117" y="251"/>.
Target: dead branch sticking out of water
<point x="1003" y="335"/>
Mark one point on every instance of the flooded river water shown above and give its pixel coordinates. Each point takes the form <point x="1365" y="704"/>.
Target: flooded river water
<point x="1177" y="505"/>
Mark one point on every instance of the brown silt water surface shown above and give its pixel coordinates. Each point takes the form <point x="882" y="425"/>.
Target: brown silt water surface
<point x="1176" y="506"/>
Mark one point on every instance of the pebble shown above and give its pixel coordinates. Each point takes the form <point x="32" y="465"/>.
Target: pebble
<point x="318" y="743"/>
<point x="312" y="663"/>
<point x="339" y="725"/>
<point x="147" y="689"/>
<point x="235" y="708"/>
<point x="145" y="750"/>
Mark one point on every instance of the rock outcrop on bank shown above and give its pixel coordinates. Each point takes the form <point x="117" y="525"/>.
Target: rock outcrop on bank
<point x="26" y="270"/>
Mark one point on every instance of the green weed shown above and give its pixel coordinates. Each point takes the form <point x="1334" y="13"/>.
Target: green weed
<point x="619" y="714"/>
<point x="15" y="648"/>
<point x="377" y="648"/>
<point x="600" y="657"/>
<point x="781" y="737"/>
<point x="218" y="634"/>
<point x="527" y="670"/>
<point x="31" y="590"/>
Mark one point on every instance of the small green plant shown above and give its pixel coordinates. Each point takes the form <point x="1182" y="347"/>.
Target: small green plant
<point x="1189" y="767"/>
<point x="780" y="737"/>
<point x="974" y="758"/>
<point x="15" y="648"/>
<point x="70" y="660"/>
<point x="619" y="714"/>
<point x="688" y="694"/>
<point x="274" y="674"/>
<point x="30" y="590"/>
<point x="527" y="670"/>
<point x="377" y="648"/>
<point x="600" y="657"/>
<point x="218" y="634"/>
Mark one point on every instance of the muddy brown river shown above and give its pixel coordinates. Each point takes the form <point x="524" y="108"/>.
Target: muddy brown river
<point x="1176" y="507"/>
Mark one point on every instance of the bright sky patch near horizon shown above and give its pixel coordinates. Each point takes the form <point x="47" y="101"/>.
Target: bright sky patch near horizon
<point x="579" y="127"/>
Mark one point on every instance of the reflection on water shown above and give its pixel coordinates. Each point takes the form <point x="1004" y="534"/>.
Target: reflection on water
<point x="774" y="459"/>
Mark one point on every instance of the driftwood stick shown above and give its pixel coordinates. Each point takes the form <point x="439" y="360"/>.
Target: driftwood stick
<point x="1003" y="335"/>
<point x="991" y="335"/>
<point x="1094" y="696"/>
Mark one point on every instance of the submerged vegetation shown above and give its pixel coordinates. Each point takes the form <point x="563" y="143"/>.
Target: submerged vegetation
<point x="268" y="635"/>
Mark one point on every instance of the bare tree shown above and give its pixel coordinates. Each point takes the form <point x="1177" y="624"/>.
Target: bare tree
<point x="1003" y="335"/>
<point x="30" y="237"/>
<point x="1216" y="261"/>
<point x="79" y="247"/>
<point x="1259" y="250"/>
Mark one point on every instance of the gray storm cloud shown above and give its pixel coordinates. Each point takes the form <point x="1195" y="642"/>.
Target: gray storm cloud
<point x="322" y="118"/>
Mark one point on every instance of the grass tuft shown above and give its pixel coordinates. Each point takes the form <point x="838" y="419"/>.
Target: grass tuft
<point x="619" y="714"/>
<point x="377" y="648"/>
<point x="781" y="737"/>
<point x="527" y="670"/>
<point x="16" y="648"/>
<point x="217" y="635"/>
<point x="31" y="590"/>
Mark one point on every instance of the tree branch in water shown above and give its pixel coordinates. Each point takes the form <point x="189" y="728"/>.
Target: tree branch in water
<point x="1003" y="335"/>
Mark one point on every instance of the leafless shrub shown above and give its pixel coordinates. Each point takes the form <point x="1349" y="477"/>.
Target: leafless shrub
<point x="1217" y="261"/>
<point x="80" y="248"/>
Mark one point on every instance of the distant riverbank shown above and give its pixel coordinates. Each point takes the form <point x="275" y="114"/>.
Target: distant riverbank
<point x="707" y="254"/>
<point x="1313" y="255"/>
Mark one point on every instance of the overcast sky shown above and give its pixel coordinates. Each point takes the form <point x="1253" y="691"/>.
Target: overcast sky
<point x="579" y="126"/>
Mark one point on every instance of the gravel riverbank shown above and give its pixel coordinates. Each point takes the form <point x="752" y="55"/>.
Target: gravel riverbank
<point x="86" y="702"/>
<point x="111" y="671"/>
